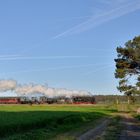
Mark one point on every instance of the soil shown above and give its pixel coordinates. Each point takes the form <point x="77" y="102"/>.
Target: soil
<point x="93" y="133"/>
<point x="131" y="128"/>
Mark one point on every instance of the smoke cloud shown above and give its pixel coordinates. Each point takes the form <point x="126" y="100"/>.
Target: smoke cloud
<point x="30" y="89"/>
<point x="33" y="89"/>
<point x="56" y="92"/>
<point x="48" y="91"/>
<point x="6" y="85"/>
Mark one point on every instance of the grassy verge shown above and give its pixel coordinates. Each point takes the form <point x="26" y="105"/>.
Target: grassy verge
<point x="128" y="108"/>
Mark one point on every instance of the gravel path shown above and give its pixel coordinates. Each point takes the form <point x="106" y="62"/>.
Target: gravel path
<point x="93" y="133"/>
<point x="131" y="128"/>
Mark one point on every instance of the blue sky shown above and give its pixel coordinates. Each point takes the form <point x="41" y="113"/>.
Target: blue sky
<point x="66" y="44"/>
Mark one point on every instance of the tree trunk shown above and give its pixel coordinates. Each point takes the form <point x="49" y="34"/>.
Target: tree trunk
<point x="128" y="99"/>
<point x="117" y="101"/>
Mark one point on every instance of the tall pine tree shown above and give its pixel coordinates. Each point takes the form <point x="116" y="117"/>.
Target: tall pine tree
<point x="128" y="66"/>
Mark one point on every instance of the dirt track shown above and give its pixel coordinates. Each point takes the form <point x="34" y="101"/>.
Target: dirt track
<point x="93" y="133"/>
<point x="131" y="128"/>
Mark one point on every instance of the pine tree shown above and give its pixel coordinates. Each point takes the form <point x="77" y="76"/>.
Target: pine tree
<point x="128" y="66"/>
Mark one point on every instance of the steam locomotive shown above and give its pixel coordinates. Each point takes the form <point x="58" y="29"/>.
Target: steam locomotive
<point x="46" y="100"/>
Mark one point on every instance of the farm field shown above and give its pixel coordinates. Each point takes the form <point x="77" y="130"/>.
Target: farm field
<point x="40" y="122"/>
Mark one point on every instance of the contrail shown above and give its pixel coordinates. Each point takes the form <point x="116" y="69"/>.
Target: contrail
<point x="71" y="18"/>
<point x="102" y="18"/>
<point x="94" y="71"/>
<point x="40" y="57"/>
<point x="8" y="55"/>
<point x="97" y="50"/>
<point x="122" y="8"/>
<point x="45" y="57"/>
<point x="55" y="68"/>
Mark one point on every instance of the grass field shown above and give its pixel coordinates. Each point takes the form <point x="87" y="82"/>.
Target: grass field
<point x="40" y="122"/>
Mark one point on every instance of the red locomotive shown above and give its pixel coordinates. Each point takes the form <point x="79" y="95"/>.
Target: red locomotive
<point x="83" y="100"/>
<point x="9" y="100"/>
<point x="44" y="99"/>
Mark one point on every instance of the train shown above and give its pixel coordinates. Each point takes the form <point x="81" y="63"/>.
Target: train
<point x="47" y="100"/>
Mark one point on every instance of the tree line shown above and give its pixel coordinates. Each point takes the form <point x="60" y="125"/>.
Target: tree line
<point x="114" y="99"/>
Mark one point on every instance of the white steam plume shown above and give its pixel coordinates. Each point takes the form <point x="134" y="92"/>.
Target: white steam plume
<point x="49" y="92"/>
<point x="6" y="85"/>
<point x="31" y="89"/>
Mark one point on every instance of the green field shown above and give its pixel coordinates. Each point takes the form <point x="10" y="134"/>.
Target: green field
<point x="40" y="122"/>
